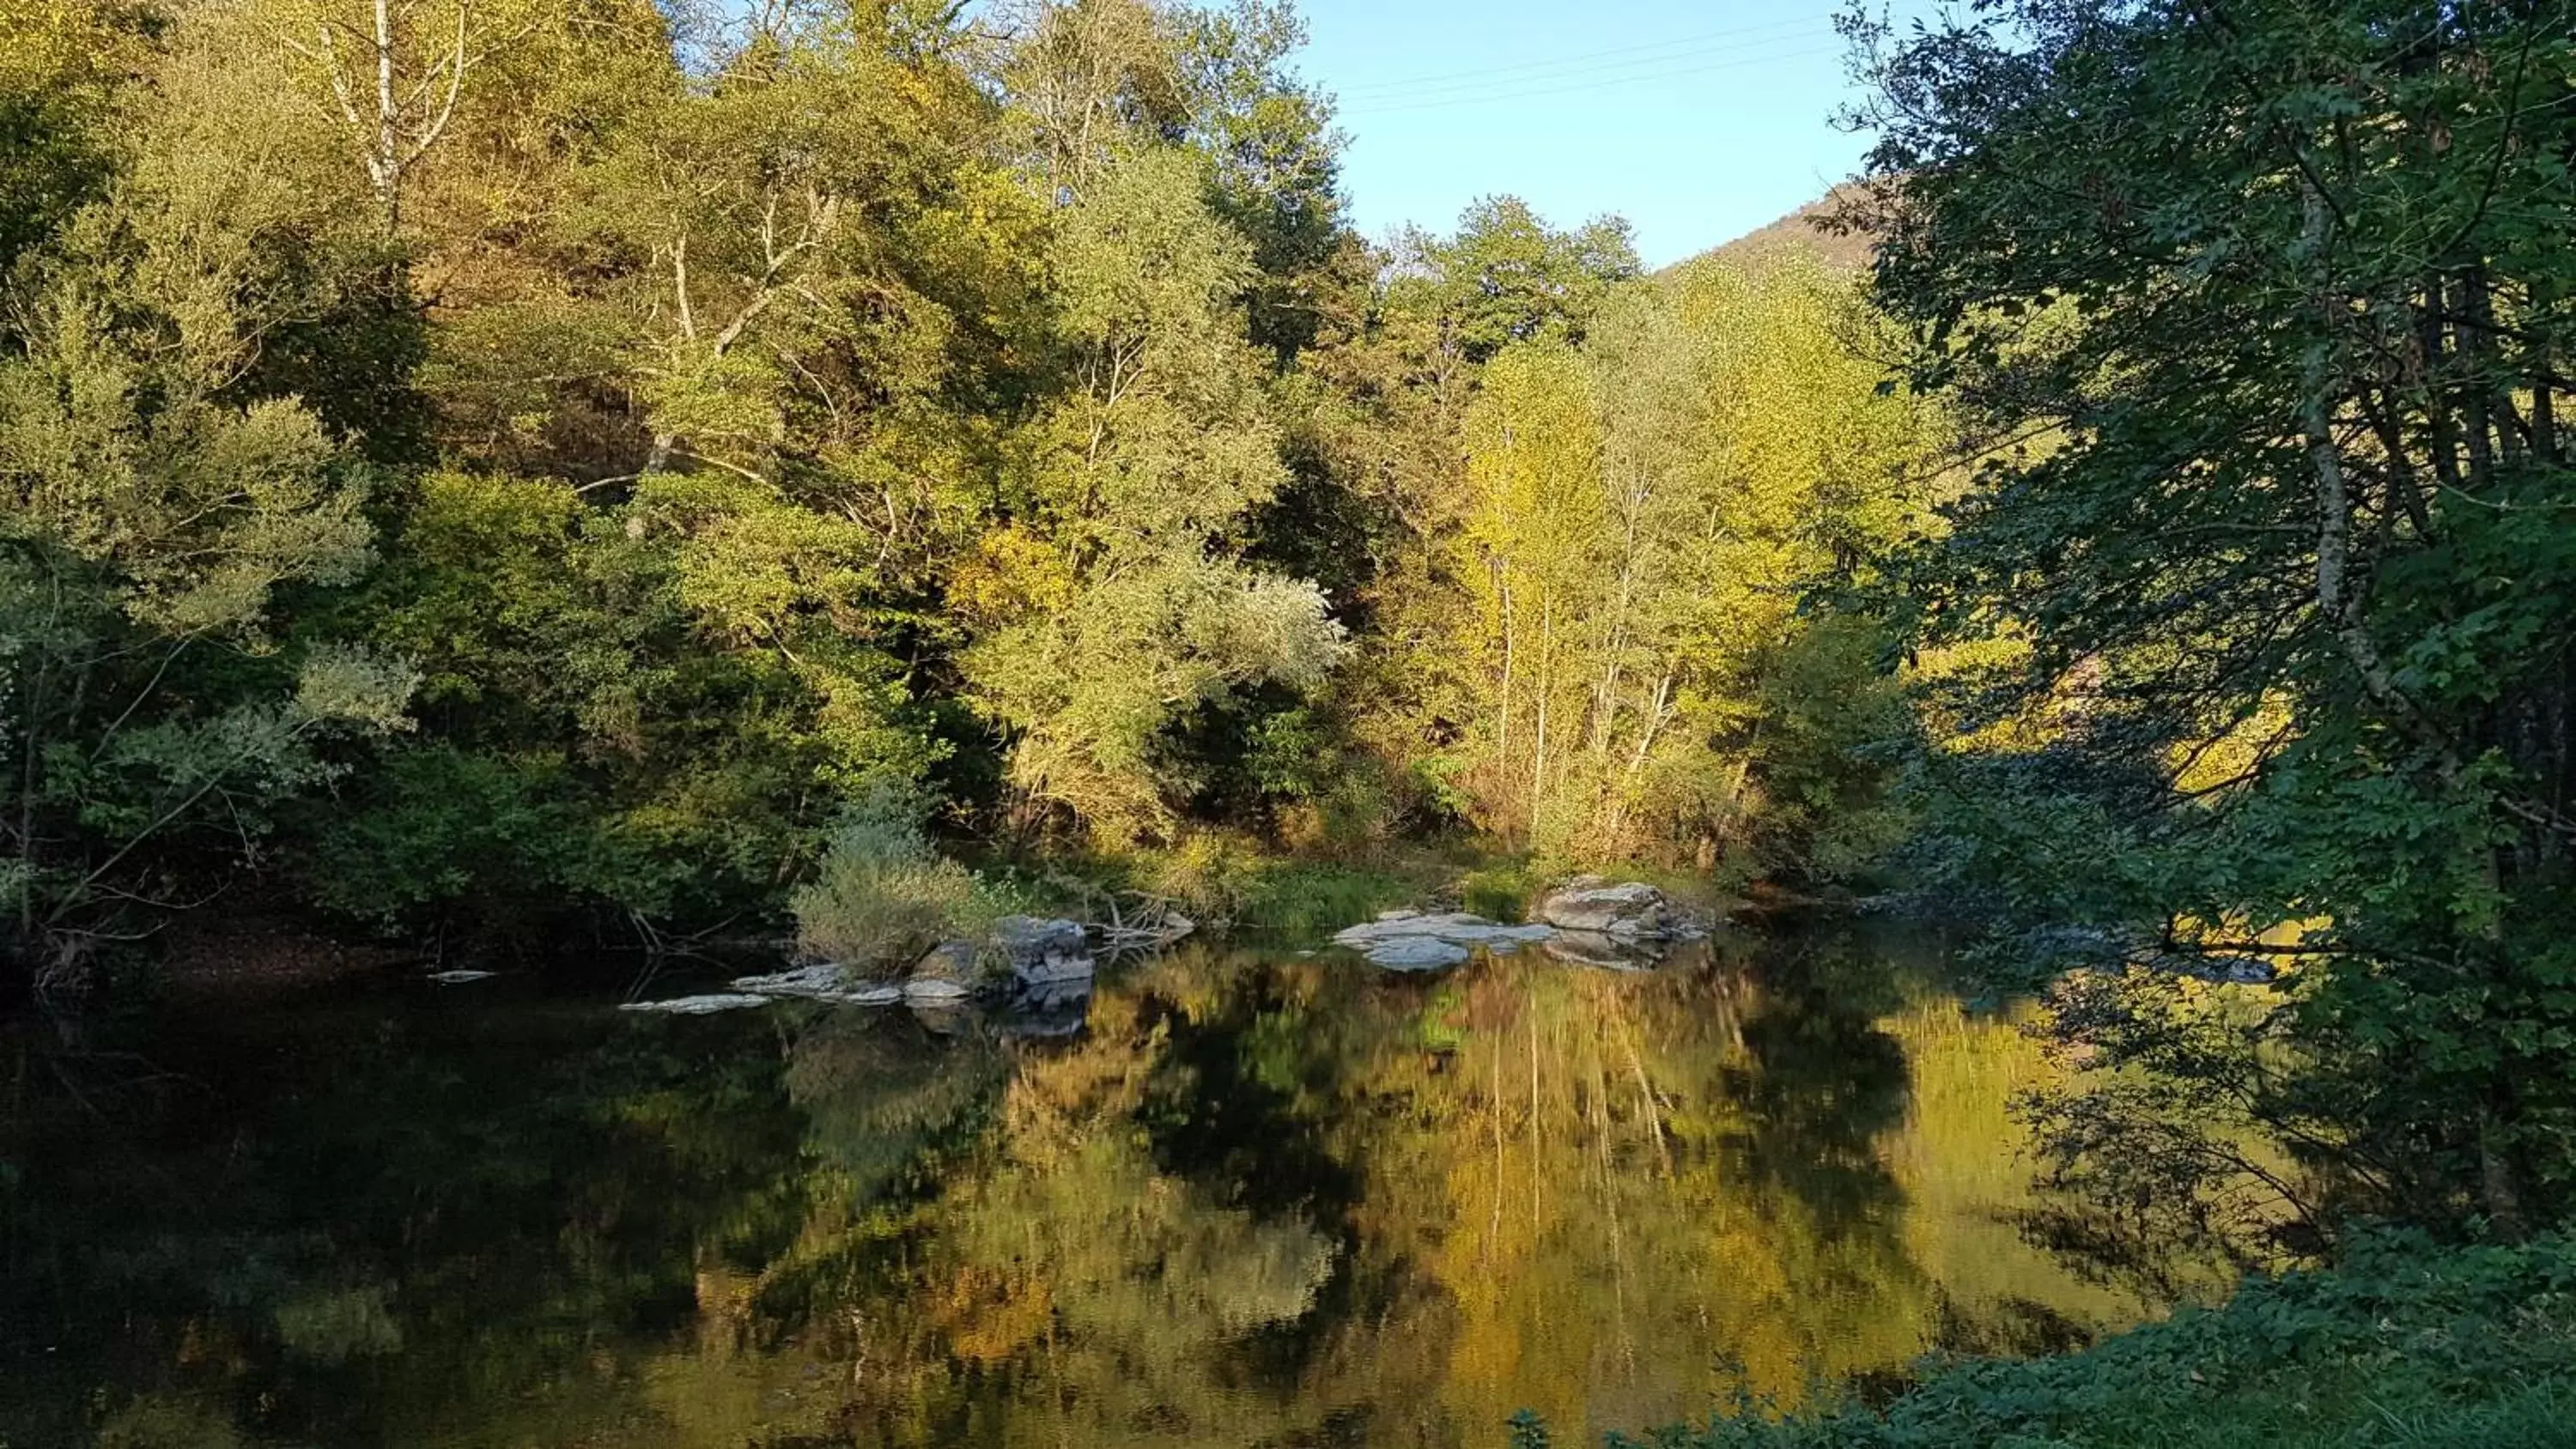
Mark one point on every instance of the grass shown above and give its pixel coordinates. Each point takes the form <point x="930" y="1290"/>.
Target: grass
<point x="2404" y="1346"/>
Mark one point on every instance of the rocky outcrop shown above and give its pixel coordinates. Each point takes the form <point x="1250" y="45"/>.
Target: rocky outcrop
<point x="1629" y="911"/>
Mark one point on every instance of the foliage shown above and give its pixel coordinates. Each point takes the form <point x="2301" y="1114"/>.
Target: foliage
<point x="2271" y="453"/>
<point x="154" y="505"/>
<point x="2400" y="1347"/>
<point x="882" y="894"/>
<point x="1646" y="516"/>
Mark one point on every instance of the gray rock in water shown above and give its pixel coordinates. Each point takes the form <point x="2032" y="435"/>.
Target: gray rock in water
<point x="1456" y="927"/>
<point x="818" y="983"/>
<point x="953" y="971"/>
<point x="1417" y="953"/>
<point x="1632" y="910"/>
<point x="1600" y="950"/>
<point x="1416" y="942"/>
<point x="935" y="991"/>
<point x="699" y="1005"/>
<point x="1398" y="915"/>
<point x="1044" y="952"/>
<point x="458" y="978"/>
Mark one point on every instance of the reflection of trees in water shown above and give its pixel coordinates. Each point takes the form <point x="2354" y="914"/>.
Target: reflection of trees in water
<point x="1258" y="1200"/>
<point x="314" y="1225"/>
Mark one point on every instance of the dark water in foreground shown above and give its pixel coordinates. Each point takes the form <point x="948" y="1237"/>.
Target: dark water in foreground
<point x="1244" y="1198"/>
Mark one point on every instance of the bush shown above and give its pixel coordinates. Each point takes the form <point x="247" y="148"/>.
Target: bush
<point x="883" y="894"/>
<point x="1226" y="880"/>
<point x="2402" y="1347"/>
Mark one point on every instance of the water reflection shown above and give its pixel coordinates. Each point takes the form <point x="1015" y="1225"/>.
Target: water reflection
<point x="1235" y="1197"/>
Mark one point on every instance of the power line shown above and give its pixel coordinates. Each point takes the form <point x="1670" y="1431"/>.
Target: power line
<point x="1610" y="70"/>
<point x="1516" y="94"/>
<point x="1453" y="79"/>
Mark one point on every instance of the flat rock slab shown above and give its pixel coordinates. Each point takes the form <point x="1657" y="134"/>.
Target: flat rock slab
<point x="817" y="982"/>
<point x="1417" y="953"/>
<point x="1422" y="942"/>
<point x="700" y="1005"/>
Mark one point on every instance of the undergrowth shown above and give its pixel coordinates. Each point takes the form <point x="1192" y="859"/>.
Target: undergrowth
<point x="2403" y="1346"/>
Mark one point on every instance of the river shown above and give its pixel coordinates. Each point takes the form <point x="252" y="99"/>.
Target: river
<point x="1240" y="1195"/>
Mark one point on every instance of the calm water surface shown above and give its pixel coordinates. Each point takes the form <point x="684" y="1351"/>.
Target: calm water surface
<point x="1239" y="1196"/>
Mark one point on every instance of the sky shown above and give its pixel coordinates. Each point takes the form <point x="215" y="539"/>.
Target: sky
<point x="1698" y="122"/>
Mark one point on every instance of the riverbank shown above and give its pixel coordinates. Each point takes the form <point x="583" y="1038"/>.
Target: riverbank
<point x="2403" y="1346"/>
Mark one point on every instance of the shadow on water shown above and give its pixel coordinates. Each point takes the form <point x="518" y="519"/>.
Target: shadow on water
<point x="1235" y="1196"/>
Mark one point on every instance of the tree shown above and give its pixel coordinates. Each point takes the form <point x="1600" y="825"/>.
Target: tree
<point x="153" y="508"/>
<point x="2280" y="288"/>
<point x="1112" y="604"/>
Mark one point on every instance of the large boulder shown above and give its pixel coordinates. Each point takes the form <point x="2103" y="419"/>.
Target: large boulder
<point x="1629" y="911"/>
<point x="1044" y="952"/>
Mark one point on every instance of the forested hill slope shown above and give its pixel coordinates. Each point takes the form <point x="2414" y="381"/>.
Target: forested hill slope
<point x="1803" y="228"/>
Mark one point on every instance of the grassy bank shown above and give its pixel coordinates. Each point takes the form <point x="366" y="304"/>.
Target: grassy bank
<point x="2403" y="1347"/>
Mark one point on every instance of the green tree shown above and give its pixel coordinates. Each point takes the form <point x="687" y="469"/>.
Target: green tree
<point x="154" y="508"/>
<point x="2281" y="289"/>
<point x="1114" y="601"/>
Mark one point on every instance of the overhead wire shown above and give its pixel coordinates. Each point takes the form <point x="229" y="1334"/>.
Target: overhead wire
<point x="1450" y="80"/>
<point x="1732" y="60"/>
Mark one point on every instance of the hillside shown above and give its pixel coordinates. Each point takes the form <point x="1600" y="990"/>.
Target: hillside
<point x="1804" y="227"/>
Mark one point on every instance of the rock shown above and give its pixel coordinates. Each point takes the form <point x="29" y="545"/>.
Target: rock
<point x="1417" y="953"/>
<point x="1041" y="952"/>
<point x="935" y="991"/>
<point x="817" y="983"/>
<point x="1398" y="915"/>
<point x="1416" y="942"/>
<point x="1059" y="1010"/>
<point x="699" y="1005"/>
<point x="1457" y="928"/>
<point x="1632" y="910"/>
<point x="458" y="978"/>
<point x="823" y="982"/>
<point x="953" y="971"/>
<point x="1602" y="951"/>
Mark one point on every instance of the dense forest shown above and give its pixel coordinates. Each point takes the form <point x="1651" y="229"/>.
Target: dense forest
<point x="485" y="467"/>
<point x="497" y="469"/>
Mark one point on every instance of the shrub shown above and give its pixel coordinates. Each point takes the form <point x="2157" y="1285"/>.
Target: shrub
<point x="883" y="894"/>
<point x="2402" y="1347"/>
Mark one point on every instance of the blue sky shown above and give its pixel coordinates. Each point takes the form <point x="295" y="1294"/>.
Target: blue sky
<point x="1697" y="122"/>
